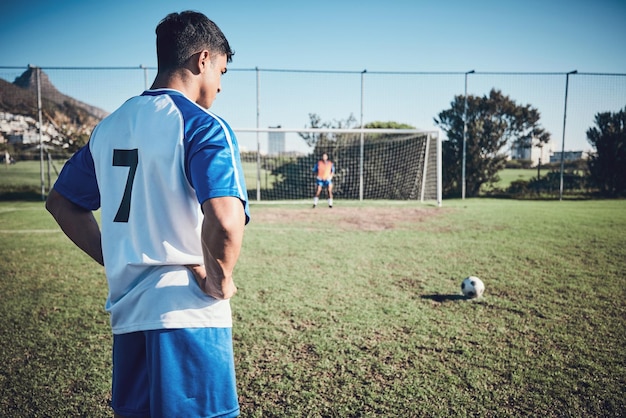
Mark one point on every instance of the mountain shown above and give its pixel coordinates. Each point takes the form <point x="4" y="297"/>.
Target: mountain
<point x="16" y="100"/>
<point x="67" y="114"/>
<point x="28" y="81"/>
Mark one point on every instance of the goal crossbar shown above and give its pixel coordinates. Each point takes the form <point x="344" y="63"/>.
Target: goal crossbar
<point x="338" y="130"/>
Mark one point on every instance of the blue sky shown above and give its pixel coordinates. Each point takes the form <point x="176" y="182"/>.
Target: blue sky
<point x="349" y="35"/>
<point x="393" y="35"/>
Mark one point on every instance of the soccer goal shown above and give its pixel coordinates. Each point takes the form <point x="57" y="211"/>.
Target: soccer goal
<point x="392" y="164"/>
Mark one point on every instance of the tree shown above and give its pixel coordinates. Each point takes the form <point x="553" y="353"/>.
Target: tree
<point x="607" y="166"/>
<point x="325" y="140"/>
<point x="317" y="140"/>
<point x="493" y="121"/>
<point x="344" y="151"/>
<point x="387" y="125"/>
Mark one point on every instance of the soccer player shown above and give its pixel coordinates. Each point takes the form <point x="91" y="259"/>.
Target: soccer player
<point x="324" y="170"/>
<point x="166" y="174"/>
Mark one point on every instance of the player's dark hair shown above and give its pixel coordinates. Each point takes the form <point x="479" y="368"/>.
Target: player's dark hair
<point x="181" y="35"/>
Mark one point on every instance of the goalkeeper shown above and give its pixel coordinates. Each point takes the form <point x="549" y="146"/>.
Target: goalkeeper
<point x="324" y="170"/>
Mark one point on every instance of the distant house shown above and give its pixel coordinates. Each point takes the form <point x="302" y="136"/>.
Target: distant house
<point x="27" y="137"/>
<point x="533" y="151"/>
<point x="20" y="129"/>
<point x="276" y="142"/>
<point x="569" y="156"/>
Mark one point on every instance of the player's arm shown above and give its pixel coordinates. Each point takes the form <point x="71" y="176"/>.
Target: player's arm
<point x="77" y="223"/>
<point x="222" y="237"/>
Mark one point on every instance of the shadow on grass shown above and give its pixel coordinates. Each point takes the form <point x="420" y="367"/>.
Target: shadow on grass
<point x="444" y="298"/>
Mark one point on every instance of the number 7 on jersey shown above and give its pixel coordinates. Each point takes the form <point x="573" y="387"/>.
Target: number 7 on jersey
<point x="126" y="158"/>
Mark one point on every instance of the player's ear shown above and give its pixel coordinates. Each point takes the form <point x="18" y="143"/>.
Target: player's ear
<point x="204" y="60"/>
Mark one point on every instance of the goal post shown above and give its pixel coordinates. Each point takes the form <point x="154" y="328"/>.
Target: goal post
<point x="370" y="163"/>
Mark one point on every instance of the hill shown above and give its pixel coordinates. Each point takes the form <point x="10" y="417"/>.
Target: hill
<point x="69" y="116"/>
<point x="28" y="82"/>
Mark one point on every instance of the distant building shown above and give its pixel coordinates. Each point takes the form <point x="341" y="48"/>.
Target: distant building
<point x="26" y="137"/>
<point x="275" y="142"/>
<point x="532" y="151"/>
<point x="569" y="156"/>
<point x="20" y="129"/>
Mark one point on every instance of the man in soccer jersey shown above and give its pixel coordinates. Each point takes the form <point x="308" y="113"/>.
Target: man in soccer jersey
<point x="324" y="170"/>
<point x="166" y="175"/>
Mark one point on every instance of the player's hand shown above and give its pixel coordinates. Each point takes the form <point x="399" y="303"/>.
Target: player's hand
<point x="199" y="273"/>
<point x="225" y="290"/>
<point x="222" y="289"/>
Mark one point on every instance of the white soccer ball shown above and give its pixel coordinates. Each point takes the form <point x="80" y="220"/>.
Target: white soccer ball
<point x="472" y="287"/>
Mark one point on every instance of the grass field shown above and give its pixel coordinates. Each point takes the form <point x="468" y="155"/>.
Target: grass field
<point x="23" y="179"/>
<point x="507" y="176"/>
<point x="355" y="311"/>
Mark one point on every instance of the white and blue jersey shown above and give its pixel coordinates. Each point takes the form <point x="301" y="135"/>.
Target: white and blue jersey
<point x="149" y="166"/>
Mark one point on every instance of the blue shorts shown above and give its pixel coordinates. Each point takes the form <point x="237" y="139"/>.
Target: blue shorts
<point x="323" y="183"/>
<point x="174" y="373"/>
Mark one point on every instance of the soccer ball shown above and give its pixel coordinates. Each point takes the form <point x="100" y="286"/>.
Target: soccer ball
<point x="472" y="287"/>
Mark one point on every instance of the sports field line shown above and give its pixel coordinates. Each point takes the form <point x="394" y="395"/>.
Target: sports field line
<point x="28" y="231"/>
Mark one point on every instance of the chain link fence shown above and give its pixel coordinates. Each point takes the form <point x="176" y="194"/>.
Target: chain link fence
<point x="263" y="98"/>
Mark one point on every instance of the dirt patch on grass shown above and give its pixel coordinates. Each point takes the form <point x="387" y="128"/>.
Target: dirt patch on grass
<point x="347" y="218"/>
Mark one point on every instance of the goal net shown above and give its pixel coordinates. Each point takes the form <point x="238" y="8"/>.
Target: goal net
<point x="392" y="164"/>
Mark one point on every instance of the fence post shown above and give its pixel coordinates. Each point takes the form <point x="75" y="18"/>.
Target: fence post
<point x="145" y="76"/>
<point x="464" y="138"/>
<point x="43" y="184"/>
<point x="258" y="139"/>
<point x="361" y="155"/>
<point x="563" y="140"/>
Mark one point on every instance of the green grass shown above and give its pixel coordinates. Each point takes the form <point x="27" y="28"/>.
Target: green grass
<point x="355" y="311"/>
<point x="23" y="179"/>
<point x="267" y="180"/>
<point x="509" y="175"/>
